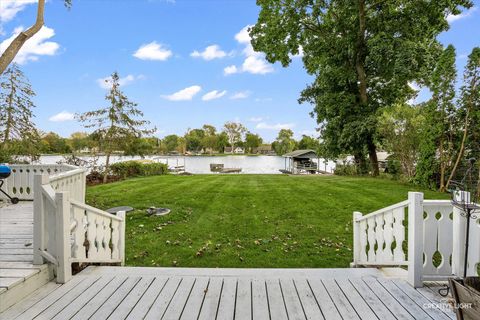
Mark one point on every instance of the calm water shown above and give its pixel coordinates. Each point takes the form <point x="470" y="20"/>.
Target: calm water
<point x="201" y="164"/>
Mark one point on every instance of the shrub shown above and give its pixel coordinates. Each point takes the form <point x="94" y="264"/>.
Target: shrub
<point x="133" y="168"/>
<point x="346" y="170"/>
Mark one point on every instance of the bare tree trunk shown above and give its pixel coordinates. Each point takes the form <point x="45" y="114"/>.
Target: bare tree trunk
<point x="107" y="167"/>
<point x="462" y="150"/>
<point x="442" y="166"/>
<point x="361" y="53"/>
<point x="17" y="43"/>
<point x="372" y="155"/>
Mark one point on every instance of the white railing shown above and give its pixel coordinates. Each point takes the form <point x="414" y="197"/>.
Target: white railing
<point x="432" y="247"/>
<point x="20" y="182"/>
<point x="66" y="230"/>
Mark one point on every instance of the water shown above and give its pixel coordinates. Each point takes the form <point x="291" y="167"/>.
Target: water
<point x="201" y="164"/>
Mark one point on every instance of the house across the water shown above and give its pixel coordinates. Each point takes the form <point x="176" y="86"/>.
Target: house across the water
<point x="236" y="150"/>
<point x="265" y="149"/>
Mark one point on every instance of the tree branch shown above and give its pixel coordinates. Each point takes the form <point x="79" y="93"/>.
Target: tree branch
<point x="17" y="43"/>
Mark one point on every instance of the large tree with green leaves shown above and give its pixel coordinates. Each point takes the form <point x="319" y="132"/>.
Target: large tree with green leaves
<point x="234" y="132"/>
<point x="362" y="54"/>
<point x="469" y="110"/>
<point x="252" y="141"/>
<point x="439" y="130"/>
<point x="18" y="133"/>
<point x="285" y="142"/>
<point x="400" y="129"/>
<point x="116" y="125"/>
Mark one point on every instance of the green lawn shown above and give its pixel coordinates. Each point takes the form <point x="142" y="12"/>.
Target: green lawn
<point x="246" y="220"/>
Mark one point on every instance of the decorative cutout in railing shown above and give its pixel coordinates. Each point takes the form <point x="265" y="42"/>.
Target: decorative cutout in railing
<point x="437" y="237"/>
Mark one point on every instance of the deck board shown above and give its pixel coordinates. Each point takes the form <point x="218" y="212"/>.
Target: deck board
<point x="101" y="293"/>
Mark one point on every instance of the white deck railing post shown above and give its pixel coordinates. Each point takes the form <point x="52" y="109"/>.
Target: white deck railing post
<point x="38" y="218"/>
<point x="459" y="234"/>
<point x="415" y="238"/>
<point x="62" y="234"/>
<point x="121" y="214"/>
<point x="356" y="239"/>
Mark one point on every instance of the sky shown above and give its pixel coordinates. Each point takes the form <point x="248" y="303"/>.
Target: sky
<point x="185" y="62"/>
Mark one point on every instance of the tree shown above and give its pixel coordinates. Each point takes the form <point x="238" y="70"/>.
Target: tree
<point x="53" y="143"/>
<point x="194" y="139"/>
<point x="400" y="129"/>
<point x="252" y="141"/>
<point x="439" y="130"/>
<point x="470" y="108"/>
<point x="210" y="139"/>
<point x="235" y="132"/>
<point x="362" y="54"/>
<point x="12" y="50"/>
<point x="284" y="142"/>
<point x="16" y="112"/>
<point x="171" y="142"/>
<point x="78" y="141"/>
<point x="222" y="141"/>
<point x="307" y="142"/>
<point x="117" y="124"/>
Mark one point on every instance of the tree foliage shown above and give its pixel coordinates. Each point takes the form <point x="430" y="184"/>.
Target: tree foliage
<point x="284" y="142"/>
<point x="119" y="124"/>
<point x="234" y="132"/>
<point x="362" y="54"/>
<point x="400" y="129"/>
<point x="18" y="133"/>
<point x="439" y="129"/>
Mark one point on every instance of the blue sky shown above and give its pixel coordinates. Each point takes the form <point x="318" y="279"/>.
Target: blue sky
<point x="185" y="62"/>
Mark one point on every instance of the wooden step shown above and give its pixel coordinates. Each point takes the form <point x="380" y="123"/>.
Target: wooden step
<point x="18" y="280"/>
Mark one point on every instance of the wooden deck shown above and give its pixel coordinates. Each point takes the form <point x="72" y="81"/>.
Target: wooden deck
<point x="174" y="293"/>
<point x="18" y="275"/>
<point x="178" y="293"/>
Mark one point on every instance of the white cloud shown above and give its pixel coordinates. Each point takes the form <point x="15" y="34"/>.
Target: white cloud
<point x="10" y="8"/>
<point x="106" y="83"/>
<point x="36" y="46"/>
<point x="153" y="51"/>
<point x="254" y="62"/>
<point x="255" y="119"/>
<point x="278" y="126"/>
<point x="230" y="70"/>
<point x="452" y="18"/>
<point x="256" y="65"/>
<point x="62" y="116"/>
<point x="243" y="36"/>
<point x="240" y="95"/>
<point x="184" y="94"/>
<point x="212" y="95"/>
<point x="210" y="53"/>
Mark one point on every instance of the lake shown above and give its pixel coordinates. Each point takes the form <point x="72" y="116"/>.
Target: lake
<point x="201" y="164"/>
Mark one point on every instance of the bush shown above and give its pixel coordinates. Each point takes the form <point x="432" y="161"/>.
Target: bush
<point x="346" y="170"/>
<point x="393" y="167"/>
<point x="132" y="168"/>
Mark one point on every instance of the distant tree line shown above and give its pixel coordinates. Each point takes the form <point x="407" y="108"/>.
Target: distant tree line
<point x="118" y="127"/>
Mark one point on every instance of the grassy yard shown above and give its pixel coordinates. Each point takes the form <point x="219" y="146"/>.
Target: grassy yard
<point x="246" y="220"/>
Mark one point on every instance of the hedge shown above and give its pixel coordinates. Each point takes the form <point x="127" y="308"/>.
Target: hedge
<point x="134" y="168"/>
